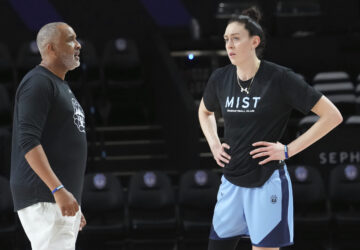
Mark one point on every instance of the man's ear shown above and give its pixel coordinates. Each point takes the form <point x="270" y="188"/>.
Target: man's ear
<point x="50" y="48"/>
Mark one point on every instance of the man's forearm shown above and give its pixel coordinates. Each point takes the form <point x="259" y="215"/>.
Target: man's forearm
<point x="38" y="161"/>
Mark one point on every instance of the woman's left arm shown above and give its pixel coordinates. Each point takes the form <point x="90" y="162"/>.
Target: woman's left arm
<point x="329" y="118"/>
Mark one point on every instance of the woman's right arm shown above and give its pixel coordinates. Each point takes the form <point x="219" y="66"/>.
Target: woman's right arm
<point x="209" y="128"/>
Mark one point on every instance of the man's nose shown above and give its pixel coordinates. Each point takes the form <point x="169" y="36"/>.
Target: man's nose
<point x="77" y="45"/>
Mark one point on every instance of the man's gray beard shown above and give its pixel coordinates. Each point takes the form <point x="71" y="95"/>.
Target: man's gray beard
<point x="69" y="61"/>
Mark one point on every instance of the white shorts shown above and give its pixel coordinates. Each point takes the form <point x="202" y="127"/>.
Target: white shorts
<point x="47" y="229"/>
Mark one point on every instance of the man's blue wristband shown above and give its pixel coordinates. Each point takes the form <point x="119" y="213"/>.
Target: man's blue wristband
<point x="286" y="152"/>
<point x="57" y="189"/>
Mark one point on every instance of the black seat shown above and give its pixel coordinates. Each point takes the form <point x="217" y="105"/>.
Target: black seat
<point x="103" y="205"/>
<point x="5" y="151"/>
<point x="304" y="124"/>
<point x="89" y="61"/>
<point x="357" y="92"/>
<point x="335" y="148"/>
<point x="5" y="107"/>
<point x="121" y="63"/>
<point x="344" y="190"/>
<point x="312" y="215"/>
<point x="152" y="210"/>
<point x="28" y="57"/>
<point x="124" y="81"/>
<point x="293" y="16"/>
<point x="196" y="68"/>
<point x="357" y="105"/>
<point x="353" y="122"/>
<point x="197" y="198"/>
<point x="8" y="220"/>
<point x="331" y="77"/>
<point x="7" y="73"/>
<point x="342" y="94"/>
<point x="346" y="103"/>
<point x="335" y="88"/>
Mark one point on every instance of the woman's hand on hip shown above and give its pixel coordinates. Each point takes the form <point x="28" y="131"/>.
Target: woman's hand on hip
<point x="273" y="151"/>
<point x="220" y="155"/>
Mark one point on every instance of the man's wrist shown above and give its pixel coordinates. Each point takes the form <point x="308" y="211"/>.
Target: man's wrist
<point x="57" y="189"/>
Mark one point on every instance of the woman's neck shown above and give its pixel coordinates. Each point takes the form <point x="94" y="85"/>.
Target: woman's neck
<point x="248" y="69"/>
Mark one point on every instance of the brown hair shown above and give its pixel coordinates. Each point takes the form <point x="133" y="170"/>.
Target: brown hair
<point x="250" y="18"/>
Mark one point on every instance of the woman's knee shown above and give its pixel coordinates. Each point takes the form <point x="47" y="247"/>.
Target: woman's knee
<point x="265" y="248"/>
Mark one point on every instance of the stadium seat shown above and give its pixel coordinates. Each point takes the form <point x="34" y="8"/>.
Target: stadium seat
<point x="8" y="219"/>
<point x="312" y="215"/>
<point x="330" y="77"/>
<point x="346" y="103"/>
<point x="152" y="211"/>
<point x="335" y="148"/>
<point x="90" y="63"/>
<point x="7" y="73"/>
<point x="342" y="94"/>
<point x="27" y="58"/>
<point x="5" y="151"/>
<point x="197" y="198"/>
<point x="353" y="121"/>
<point x="103" y="205"/>
<point x="307" y="122"/>
<point x="5" y="107"/>
<point x="121" y="63"/>
<point x="124" y="82"/>
<point x="357" y="92"/>
<point x="196" y="68"/>
<point x="335" y="88"/>
<point x="344" y="191"/>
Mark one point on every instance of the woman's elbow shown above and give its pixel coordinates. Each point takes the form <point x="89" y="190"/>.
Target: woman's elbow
<point x="339" y="119"/>
<point x="336" y="118"/>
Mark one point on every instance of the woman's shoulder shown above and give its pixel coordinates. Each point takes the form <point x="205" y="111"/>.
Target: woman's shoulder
<point x="223" y="71"/>
<point x="275" y="68"/>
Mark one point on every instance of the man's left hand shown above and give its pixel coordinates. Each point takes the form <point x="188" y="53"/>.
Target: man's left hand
<point x="82" y="222"/>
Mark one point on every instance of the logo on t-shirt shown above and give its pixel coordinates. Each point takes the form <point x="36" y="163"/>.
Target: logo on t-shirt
<point x="238" y="104"/>
<point x="79" y="116"/>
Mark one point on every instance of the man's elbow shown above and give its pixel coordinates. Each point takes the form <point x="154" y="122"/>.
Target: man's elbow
<point x="28" y="143"/>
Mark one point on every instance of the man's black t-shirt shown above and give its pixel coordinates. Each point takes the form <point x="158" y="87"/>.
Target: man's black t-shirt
<point x="261" y="115"/>
<point x="47" y="113"/>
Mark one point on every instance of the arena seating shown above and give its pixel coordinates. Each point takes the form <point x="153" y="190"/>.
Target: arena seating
<point x="8" y="219"/>
<point x="312" y="215"/>
<point x="28" y="56"/>
<point x="103" y="203"/>
<point x="127" y="143"/>
<point x="197" y="197"/>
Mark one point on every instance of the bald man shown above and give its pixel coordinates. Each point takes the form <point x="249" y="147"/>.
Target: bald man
<point x="49" y="147"/>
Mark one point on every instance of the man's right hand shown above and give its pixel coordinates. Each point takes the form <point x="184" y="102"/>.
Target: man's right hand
<point x="66" y="202"/>
<point x="220" y="155"/>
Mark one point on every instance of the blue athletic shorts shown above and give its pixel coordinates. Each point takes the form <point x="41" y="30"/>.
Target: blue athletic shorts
<point x="264" y="213"/>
